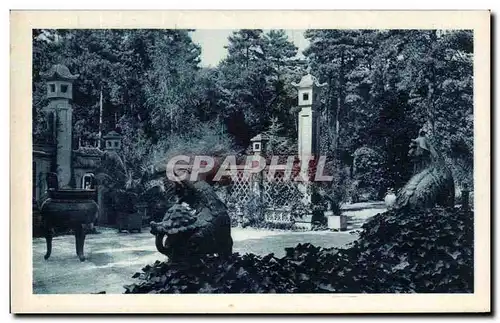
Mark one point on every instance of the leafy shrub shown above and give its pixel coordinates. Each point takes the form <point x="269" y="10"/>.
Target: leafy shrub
<point x="299" y="209"/>
<point x="206" y="139"/>
<point x="112" y="172"/>
<point x="235" y="211"/>
<point x="371" y="173"/>
<point x="253" y="211"/>
<point x="318" y="210"/>
<point x="157" y="200"/>
<point x="125" y="201"/>
<point x="398" y="252"/>
<point x="338" y="191"/>
<point x="426" y="251"/>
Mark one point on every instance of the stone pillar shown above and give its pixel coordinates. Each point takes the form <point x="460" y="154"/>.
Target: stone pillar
<point x="59" y="83"/>
<point x="309" y="90"/>
<point x="64" y="114"/>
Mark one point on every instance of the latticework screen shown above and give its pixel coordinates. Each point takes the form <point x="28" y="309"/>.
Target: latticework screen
<point x="240" y="189"/>
<point x="278" y="195"/>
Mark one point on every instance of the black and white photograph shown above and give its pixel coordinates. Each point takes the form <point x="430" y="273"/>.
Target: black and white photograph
<point x="253" y="161"/>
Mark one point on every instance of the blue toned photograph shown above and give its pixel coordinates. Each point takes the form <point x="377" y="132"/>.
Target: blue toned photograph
<point x="182" y="161"/>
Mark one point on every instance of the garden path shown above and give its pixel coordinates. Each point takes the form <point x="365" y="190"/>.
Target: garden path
<point x="112" y="258"/>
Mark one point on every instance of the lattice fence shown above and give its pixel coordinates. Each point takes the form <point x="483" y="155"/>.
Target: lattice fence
<point x="240" y="189"/>
<point x="277" y="196"/>
<point x="279" y="192"/>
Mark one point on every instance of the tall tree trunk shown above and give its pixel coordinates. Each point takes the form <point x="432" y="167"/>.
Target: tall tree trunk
<point x="329" y="112"/>
<point x="340" y="101"/>
<point x="171" y="120"/>
<point x="430" y="106"/>
<point x="100" y="120"/>
<point x="247" y="58"/>
<point x="431" y="87"/>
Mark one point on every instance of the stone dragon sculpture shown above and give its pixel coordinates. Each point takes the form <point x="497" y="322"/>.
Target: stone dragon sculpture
<point x="197" y="224"/>
<point x="432" y="182"/>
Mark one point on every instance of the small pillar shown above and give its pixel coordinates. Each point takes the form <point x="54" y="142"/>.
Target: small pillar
<point x="259" y="146"/>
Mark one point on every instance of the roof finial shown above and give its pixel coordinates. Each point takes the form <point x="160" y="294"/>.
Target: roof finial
<point x="308" y="81"/>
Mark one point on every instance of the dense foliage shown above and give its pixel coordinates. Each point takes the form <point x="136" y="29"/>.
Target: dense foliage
<point x="397" y="252"/>
<point x="383" y="85"/>
<point x="369" y="172"/>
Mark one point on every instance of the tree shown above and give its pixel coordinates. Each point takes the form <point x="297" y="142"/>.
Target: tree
<point x="384" y="85"/>
<point x="255" y="80"/>
<point x="334" y="54"/>
<point x="279" y="143"/>
<point x="245" y="46"/>
<point x="170" y="80"/>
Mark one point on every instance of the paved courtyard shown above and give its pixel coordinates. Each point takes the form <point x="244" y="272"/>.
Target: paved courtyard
<point x="112" y="258"/>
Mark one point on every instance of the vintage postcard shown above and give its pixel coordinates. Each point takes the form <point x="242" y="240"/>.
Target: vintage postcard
<point x="250" y="161"/>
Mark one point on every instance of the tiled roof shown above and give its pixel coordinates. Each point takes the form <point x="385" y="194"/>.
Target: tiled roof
<point x="260" y="137"/>
<point x="59" y="71"/>
<point x="308" y="81"/>
<point x="112" y="134"/>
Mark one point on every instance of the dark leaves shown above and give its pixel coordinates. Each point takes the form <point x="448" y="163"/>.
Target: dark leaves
<point x="393" y="255"/>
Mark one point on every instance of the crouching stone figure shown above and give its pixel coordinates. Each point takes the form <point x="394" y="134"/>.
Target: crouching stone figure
<point x="198" y="224"/>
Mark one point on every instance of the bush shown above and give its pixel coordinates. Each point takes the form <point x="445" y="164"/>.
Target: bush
<point x="318" y="218"/>
<point x="338" y="191"/>
<point x="425" y="251"/>
<point x="158" y="201"/>
<point x="253" y="211"/>
<point x="206" y="139"/>
<point x="370" y="171"/>
<point x="397" y="252"/>
<point x="125" y="201"/>
<point x="235" y="212"/>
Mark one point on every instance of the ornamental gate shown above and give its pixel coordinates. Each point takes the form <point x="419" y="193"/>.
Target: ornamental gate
<point x="281" y="196"/>
<point x="277" y="197"/>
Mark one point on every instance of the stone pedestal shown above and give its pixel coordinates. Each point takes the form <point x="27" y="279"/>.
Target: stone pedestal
<point x="336" y="222"/>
